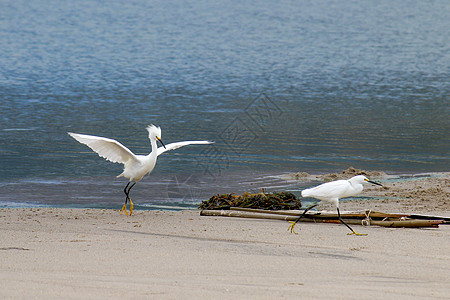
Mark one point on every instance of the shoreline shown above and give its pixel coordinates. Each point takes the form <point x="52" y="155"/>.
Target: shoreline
<point x="422" y="192"/>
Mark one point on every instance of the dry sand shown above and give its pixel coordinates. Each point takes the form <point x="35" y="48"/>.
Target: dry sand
<point x="100" y="254"/>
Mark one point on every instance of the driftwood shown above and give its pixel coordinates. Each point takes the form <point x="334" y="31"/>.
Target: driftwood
<point x="324" y="214"/>
<point x="242" y="214"/>
<point x="367" y="218"/>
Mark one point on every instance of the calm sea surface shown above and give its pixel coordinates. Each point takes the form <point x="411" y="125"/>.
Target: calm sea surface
<point x="281" y="86"/>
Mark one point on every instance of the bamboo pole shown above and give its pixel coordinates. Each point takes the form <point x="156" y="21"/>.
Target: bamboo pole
<point x="270" y="216"/>
<point x="324" y="214"/>
<point x="243" y="214"/>
<point x="385" y="223"/>
<point x="265" y="211"/>
<point x="408" y="223"/>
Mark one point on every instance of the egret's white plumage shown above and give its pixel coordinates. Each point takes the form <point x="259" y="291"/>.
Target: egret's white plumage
<point x="135" y="166"/>
<point x="333" y="191"/>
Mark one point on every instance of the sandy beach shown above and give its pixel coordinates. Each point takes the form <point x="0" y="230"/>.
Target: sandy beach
<point x="52" y="253"/>
<point x="98" y="254"/>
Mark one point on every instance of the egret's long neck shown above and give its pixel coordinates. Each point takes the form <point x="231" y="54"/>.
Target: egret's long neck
<point x="358" y="187"/>
<point x="154" y="146"/>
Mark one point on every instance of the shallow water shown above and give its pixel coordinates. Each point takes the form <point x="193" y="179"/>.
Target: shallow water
<point x="315" y="86"/>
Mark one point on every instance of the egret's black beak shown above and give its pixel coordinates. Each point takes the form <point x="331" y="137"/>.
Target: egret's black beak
<point x="161" y="142"/>
<point x="373" y="182"/>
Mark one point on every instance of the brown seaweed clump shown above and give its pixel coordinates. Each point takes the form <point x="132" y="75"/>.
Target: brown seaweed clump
<point x="272" y="201"/>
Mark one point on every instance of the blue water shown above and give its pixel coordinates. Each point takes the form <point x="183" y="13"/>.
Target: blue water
<point x="281" y="86"/>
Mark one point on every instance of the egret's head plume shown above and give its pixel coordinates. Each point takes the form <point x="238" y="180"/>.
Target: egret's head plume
<point x="359" y="179"/>
<point x="154" y="132"/>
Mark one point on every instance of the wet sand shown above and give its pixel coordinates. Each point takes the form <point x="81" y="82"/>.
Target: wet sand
<point x="96" y="254"/>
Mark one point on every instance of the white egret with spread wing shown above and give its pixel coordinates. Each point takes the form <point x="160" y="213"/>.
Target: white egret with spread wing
<point x="135" y="166"/>
<point x="332" y="192"/>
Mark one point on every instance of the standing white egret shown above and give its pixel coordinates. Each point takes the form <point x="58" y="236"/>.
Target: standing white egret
<point x="332" y="192"/>
<point x="135" y="166"/>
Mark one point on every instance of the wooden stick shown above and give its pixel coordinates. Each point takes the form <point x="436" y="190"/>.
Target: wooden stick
<point x="408" y="223"/>
<point x="265" y="211"/>
<point x="255" y="215"/>
<point x="242" y="214"/>
<point x="323" y="214"/>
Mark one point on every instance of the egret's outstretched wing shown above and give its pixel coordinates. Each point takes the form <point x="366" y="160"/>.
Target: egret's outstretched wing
<point x="109" y="149"/>
<point x="177" y="145"/>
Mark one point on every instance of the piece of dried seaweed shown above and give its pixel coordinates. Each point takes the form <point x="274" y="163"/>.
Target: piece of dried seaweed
<point x="270" y="201"/>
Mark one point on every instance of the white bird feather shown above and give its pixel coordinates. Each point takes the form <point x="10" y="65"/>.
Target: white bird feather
<point x="135" y="166"/>
<point x="332" y="192"/>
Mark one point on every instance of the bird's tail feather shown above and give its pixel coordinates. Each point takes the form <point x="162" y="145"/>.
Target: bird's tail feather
<point x="305" y="193"/>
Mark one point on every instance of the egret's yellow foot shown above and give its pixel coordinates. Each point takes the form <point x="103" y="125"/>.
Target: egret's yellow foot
<point x="124" y="209"/>
<point x="131" y="207"/>
<point x="291" y="227"/>
<point x="355" y="233"/>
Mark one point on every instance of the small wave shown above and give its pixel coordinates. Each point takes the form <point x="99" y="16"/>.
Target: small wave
<point x="19" y="129"/>
<point x="43" y="181"/>
<point x="166" y="207"/>
<point x="8" y="204"/>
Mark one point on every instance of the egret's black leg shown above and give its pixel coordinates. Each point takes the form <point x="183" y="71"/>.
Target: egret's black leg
<point x="126" y="192"/>
<point x="291" y="227"/>
<point x="127" y="197"/>
<point x="342" y="221"/>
